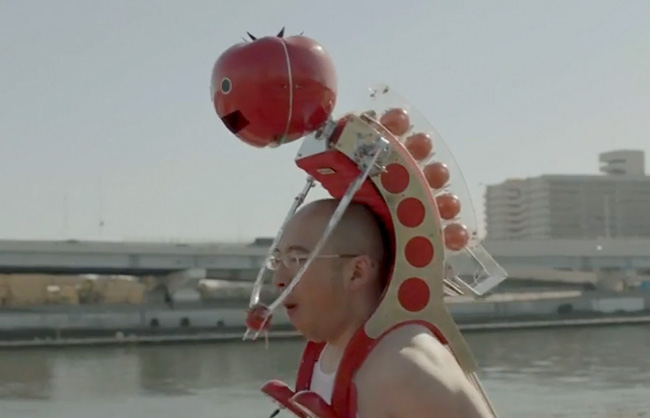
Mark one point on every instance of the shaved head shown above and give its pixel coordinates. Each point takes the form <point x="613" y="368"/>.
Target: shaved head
<point x="344" y="283"/>
<point x="358" y="231"/>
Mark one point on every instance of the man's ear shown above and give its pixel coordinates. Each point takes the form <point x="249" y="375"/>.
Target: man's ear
<point x="360" y="273"/>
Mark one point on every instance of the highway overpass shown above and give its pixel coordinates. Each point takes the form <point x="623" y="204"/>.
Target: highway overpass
<point x="235" y="261"/>
<point x="241" y="261"/>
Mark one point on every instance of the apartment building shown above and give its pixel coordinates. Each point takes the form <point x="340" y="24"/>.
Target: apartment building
<point x="614" y="204"/>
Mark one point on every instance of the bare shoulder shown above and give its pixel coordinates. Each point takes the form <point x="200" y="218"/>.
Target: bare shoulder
<point x="412" y="374"/>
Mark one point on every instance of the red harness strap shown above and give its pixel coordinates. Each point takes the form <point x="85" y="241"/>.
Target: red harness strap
<point x="344" y="397"/>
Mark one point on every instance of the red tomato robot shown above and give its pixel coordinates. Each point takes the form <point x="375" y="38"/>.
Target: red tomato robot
<point x="290" y="95"/>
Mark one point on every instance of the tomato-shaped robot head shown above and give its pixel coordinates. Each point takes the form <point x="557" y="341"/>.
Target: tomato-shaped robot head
<point x="274" y="90"/>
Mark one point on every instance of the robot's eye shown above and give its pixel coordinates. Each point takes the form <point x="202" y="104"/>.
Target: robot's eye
<point x="226" y="85"/>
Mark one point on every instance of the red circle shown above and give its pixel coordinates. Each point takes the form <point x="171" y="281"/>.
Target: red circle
<point x="395" y="179"/>
<point x="419" y="145"/>
<point x="410" y="212"/>
<point x="396" y="121"/>
<point x="418" y="251"/>
<point x="413" y="294"/>
<point x="456" y="236"/>
<point x="255" y="318"/>
<point x="437" y="174"/>
<point x="448" y="205"/>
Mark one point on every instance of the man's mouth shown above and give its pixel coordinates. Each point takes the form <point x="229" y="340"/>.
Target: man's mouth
<point x="290" y="306"/>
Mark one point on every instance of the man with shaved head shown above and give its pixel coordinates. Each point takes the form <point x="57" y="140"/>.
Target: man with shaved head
<point x="409" y="373"/>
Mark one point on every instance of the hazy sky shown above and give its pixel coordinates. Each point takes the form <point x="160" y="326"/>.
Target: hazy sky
<point x="105" y="112"/>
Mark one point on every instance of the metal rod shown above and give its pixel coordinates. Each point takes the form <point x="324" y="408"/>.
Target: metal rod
<point x="297" y="201"/>
<point x="259" y="281"/>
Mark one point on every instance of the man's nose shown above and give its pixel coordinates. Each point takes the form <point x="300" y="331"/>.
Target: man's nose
<point x="281" y="277"/>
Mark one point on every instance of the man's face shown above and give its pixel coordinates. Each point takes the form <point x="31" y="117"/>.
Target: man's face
<point x="317" y="306"/>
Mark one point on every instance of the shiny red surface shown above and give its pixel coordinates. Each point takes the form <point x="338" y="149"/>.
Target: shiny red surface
<point x="280" y="93"/>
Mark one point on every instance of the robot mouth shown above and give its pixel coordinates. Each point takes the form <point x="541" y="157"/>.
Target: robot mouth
<point x="235" y="121"/>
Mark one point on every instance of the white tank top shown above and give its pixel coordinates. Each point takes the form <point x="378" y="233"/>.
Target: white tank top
<point x="323" y="383"/>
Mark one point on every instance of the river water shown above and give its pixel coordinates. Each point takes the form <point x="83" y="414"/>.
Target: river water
<point x="571" y="372"/>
